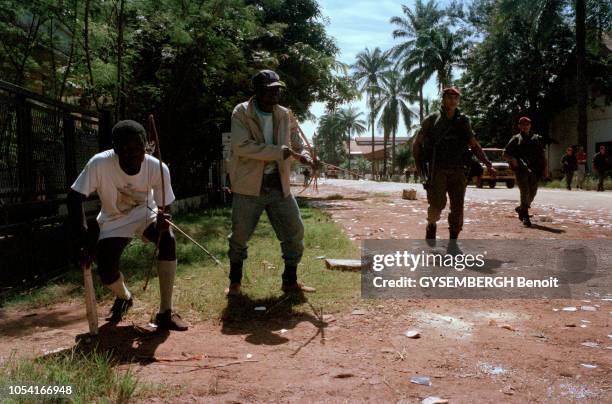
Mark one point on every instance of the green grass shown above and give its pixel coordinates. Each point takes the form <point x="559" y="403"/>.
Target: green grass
<point x="200" y="284"/>
<point x="590" y="183"/>
<point x="91" y="375"/>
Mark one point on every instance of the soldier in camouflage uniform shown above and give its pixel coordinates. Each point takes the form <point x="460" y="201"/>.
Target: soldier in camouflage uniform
<point x="442" y="142"/>
<point x="525" y="152"/>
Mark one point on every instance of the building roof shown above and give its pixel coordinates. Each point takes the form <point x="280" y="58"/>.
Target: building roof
<point x="362" y="146"/>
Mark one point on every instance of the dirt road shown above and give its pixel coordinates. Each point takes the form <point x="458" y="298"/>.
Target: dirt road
<point x="470" y="350"/>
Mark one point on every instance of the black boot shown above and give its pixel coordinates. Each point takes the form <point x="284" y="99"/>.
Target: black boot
<point x="453" y="247"/>
<point x="520" y="213"/>
<point x="235" y="277"/>
<point x="430" y="234"/>
<point x="290" y="275"/>
<point x="526" y="220"/>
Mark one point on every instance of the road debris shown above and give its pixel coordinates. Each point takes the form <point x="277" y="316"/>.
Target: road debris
<point x="423" y="381"/>
<point x="414" y="334"/>
<point x="409" y="194"/>
<point x="434" y="400"/>
<point x="359" y="312"/>
<point x="588" y="366"/>
<point x="492" y="370"/>
<point x="343" y="264"/>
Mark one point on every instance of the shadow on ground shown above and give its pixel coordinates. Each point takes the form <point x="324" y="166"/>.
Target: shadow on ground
<point x="262" y="320"/>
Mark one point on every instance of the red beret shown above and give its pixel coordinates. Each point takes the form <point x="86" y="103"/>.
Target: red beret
<point x="524" y="119"/>
<point x="451" y="90"/>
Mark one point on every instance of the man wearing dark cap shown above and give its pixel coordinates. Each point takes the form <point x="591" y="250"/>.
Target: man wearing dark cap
<point x="129" y="184"/>
<point x="441" y="143"/>
<point x="601" y="165"/>
<point x="263" y="138"/>
<point x="525" y="153"/>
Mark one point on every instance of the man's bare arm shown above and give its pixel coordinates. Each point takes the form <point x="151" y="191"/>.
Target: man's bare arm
<point x="478" y="152"/>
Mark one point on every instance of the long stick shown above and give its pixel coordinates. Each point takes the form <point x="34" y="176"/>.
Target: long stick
<point x="192" y="240"/>
<point x="90" y="300"/>
<point x="153" y="131"/>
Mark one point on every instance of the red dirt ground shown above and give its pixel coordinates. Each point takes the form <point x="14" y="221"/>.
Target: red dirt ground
<point x="345" y="357"/>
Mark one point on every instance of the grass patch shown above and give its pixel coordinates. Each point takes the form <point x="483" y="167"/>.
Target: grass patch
<point x="91" y="375"/>
<point x="590" y="183"/>
<point x="200" y="284"/>
<point x="334" y="197"/>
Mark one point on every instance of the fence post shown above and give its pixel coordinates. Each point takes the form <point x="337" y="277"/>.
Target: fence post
<point x="70" y="170"/>
<point x="104" y="130"/>
<point x="24" y="147"/>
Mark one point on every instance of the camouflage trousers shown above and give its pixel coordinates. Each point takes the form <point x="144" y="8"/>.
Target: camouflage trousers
<point x="528" y="185"/>
<point x="453" y="182"/>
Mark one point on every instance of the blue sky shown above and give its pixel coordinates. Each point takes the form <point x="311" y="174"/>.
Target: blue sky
<point x="355" y="25"/>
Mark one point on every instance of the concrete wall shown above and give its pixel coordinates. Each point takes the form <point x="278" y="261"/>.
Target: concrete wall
<point x="563" y="129"/>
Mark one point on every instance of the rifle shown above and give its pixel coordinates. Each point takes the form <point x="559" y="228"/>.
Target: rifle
<point x="524" y="163"/>
<point x="427" y="167"/>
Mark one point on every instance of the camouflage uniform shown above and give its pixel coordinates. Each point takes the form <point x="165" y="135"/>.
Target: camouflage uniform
<point x="445" y="142"/>
<point x="531" y="150"/>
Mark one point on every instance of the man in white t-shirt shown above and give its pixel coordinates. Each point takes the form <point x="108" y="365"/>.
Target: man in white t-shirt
<point x="129" y="184"/>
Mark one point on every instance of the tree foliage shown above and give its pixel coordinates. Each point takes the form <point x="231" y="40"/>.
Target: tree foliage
<point x="188" y="62"/>
<point x="525" y="64"/>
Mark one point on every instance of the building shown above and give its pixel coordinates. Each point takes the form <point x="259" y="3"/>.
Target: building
<point x="362" y="147"/>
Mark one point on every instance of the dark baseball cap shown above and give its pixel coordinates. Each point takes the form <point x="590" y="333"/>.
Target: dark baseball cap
<point x="267" y="78"/>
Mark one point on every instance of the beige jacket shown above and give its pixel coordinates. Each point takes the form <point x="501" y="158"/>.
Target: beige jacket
<point x="249" y="151"/>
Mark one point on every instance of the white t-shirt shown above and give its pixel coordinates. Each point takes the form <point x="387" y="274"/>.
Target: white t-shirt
<point x="124" y="198"/>
<point x="267" y="127"/>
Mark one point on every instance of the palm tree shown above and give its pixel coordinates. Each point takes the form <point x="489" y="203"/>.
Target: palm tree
<point x="350" y="122"/>
<point x="410" y="27"/>
<point x="329" y="139"/>
<point x="436" y="52"/>
<point x="393" y="102"/>
<point x="367" y="71"/>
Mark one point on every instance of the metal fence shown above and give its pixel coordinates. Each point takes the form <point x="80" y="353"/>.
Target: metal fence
<point x="43" y="144"/>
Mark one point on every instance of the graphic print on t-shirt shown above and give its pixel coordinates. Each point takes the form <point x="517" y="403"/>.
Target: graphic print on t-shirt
<point x="128" y="198"/>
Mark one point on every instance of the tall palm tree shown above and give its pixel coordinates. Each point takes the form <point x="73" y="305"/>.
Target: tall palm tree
<point x="393" y="102"/>
<point x="367" y="71"/>
<point x="409" y="28"/>
<point x="437" y="51"/>
<point x="350" y="123"/>
<point x="330" y="136"/>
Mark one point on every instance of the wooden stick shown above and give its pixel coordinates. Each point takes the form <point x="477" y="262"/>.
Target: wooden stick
<point x="191" y="239"/>
<point x="90" y="300"/>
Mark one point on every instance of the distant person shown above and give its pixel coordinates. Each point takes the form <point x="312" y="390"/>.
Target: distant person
<point x="525" y="153"/>
<point x="581" y="159"/>
<point x="601" y="165"/>
<point x="569" y="166"/>
<point x="306" y="173"/>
